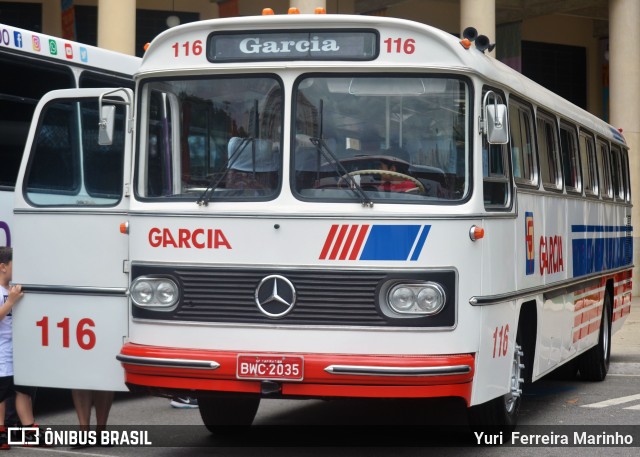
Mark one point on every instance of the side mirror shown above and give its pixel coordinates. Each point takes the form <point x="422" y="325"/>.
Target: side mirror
<point x="496" y="120"/>
<point x="105" y="126"/>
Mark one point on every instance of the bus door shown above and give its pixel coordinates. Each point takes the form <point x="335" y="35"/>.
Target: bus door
<point x="68" y="250"/>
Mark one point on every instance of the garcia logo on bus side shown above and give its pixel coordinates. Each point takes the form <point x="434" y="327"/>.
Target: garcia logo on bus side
<point x="550" y="250"/>
<point x="529" y="243"/>
<point x="374" y="242"/>
<point x="188" y="239"/>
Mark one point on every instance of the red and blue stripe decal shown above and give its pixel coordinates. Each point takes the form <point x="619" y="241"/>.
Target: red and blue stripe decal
<point x="597" y="248"/>
<point x="374" y="242"/>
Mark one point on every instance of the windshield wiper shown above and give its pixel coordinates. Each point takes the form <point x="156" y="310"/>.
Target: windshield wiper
<point x="331" y="157"/>
<point x="206" y="195"/>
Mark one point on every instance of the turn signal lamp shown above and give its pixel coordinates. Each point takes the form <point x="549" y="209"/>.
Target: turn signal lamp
<point x="124" y="228"/>
<point x="466" y="43"/>
<point x="267" y="12"/>
<point x="476" y="233"/>
<point x="320" y="10"/>
<point x="294" y="10"/>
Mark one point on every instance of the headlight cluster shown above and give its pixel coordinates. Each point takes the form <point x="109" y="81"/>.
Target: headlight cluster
<point x="419" y="298"/>
<point x="154" y="293"/>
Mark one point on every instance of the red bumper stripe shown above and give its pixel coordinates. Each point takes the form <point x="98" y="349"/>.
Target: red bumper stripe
<point x="383" y="375"/>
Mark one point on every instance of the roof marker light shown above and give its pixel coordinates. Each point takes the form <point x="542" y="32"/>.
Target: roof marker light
<point x="294" y="10"/>
<point x="466" y="43"/>
<point x="476" y="233"/>
<point x="320" y="10"/>
<point x="267" y="12"/>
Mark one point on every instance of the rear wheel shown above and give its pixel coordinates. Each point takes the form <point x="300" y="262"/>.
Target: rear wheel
<point x="594" y="364"/>
<point x="219" y="413"/>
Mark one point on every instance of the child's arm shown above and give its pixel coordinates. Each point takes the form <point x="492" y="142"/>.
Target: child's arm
<point x="15" y="294"/>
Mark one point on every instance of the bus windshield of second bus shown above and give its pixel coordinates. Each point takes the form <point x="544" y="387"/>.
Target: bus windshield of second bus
<point x="369" y="137"/>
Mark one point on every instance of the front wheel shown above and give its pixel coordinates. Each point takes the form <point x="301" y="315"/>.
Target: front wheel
<point x="219" y="413"/>
<point x="501" y="414"/>
<point x="594" y="364"/>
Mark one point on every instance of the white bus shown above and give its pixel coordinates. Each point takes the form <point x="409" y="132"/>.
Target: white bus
<point x="315" y="206"/>
<point x="32" y="65"/>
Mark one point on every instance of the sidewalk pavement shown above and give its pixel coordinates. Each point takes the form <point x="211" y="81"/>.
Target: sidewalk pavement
<point x="625" y="343"/>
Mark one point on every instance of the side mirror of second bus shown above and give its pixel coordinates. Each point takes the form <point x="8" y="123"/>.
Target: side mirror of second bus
<point x="497" y="126"/>
<point x="106" y="124"/>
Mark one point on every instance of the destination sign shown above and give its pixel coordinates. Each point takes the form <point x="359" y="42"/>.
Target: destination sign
<point x="293" y="45"/>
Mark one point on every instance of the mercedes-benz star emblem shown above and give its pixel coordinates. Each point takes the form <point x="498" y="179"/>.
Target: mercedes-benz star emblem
<point x="275" y="296"/>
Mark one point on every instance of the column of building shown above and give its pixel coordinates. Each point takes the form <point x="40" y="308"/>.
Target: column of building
<point x="624" y="103"/>
<point x="308" y="6"/>
<point x="117" y="25"/>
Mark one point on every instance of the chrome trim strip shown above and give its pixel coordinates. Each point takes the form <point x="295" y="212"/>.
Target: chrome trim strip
<point x="397" y="371"/>
<point x="168" y="363"/>
<point x="75" y="290"/>
<point x="547" y="290"/>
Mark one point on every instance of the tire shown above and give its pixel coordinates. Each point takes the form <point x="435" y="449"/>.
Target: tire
<point x="501" y="414"/>
<point x="220" y="413"/>
<point x="594" y="364"/>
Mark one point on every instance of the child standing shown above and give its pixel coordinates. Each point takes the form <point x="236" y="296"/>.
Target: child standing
<point x="9" y="296"/>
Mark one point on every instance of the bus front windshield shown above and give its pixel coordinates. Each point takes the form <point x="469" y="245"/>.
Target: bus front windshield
<point x="381" y="137"/>
<point x="215" y="138"/>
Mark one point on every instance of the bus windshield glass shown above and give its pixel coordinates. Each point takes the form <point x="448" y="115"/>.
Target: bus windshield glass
<point x="211" y="138"/>
<point x="385" y="137"/>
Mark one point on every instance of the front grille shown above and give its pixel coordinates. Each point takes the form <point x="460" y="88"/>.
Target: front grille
<point x="324" y="297"/>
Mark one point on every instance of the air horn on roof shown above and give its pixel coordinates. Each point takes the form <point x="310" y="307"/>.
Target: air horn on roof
<point x="470" y="35"/>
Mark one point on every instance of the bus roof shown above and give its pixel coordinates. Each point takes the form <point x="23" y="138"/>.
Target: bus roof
<point x="184" y="48"/>
<point x="39" y="45"/>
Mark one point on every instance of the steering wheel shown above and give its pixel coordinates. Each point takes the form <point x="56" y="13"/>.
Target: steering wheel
<point x="396" y="174"/>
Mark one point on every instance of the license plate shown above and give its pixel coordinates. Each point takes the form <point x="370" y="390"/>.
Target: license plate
<point x="272" y="367"/>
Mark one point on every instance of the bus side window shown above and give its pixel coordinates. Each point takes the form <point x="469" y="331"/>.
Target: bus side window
<point x="618" y="174"/>
<point x="522" y="145"/>
<point x="604" y="166"/>
<point x="588" y="159"/>
<point x="627" y="179"/>
<point x="22" y="84"/>
<point x="548" y="150"/>
<point x="159" y="169"/>
<point x="57" y="175"/>
<point x="570" y="160"/>
<point x="495" y="176"/>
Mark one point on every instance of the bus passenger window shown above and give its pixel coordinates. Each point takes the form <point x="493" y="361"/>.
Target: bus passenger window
<point x="22" y="84"/>
<point x="549" y="152"/>
<point x="522" y="152"/>
<point x="604" y="166"/>
<point x="588" y="158"/>
<point x="570" y="160"/>
<point x="618" y="173"/>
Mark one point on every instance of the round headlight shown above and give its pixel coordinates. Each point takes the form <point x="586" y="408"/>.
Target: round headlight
<point x="166" y="292"/>
<point x="142" y="292"/>
<point x="431" y="298"/>
<point x="402" y="299"/>
<point x="160" y="294"/>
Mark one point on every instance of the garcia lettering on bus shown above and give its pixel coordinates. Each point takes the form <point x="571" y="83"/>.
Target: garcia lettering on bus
<point x="551" y="260"/>
<point x="254" y="46"/>
<point x="185" y="238"/>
